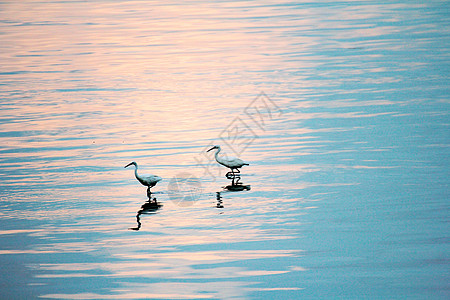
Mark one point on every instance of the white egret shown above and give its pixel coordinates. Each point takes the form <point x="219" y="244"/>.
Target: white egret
<point x="232" y="163"/>
<point x="148" y="180"/>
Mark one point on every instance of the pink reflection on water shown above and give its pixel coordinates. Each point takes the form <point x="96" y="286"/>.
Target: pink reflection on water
<point x="175" y="266"/>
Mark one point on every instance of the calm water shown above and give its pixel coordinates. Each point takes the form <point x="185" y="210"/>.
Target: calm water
<point x="341" y="109"/>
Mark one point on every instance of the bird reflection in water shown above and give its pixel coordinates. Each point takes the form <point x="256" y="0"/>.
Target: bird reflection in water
<point x="149" y="207"/>
<point x="219" y="200"/>
<point x="235" y="186"/>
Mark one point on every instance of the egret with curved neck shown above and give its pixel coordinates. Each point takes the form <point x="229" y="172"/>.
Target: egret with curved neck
<point x="148" y="180"/>
<point x="232" y="163"/>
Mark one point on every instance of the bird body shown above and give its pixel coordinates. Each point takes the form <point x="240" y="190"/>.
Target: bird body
<point x="147" y="180"/>
<point x="232" y="163"/>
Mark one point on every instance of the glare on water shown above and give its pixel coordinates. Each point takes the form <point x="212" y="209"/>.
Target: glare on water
<point x="340" y="108"/>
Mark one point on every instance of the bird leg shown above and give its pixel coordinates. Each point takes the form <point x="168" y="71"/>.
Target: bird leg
<point x="149" y="193"/>
<point x="235" y="176"/>
<point x="230" y="175"/>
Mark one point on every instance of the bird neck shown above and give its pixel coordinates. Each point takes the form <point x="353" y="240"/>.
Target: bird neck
<point x="217" y="152"/>
<point x="219" y="159"/>
<point x="217" y="155"/>
<point x="135" y="171"/>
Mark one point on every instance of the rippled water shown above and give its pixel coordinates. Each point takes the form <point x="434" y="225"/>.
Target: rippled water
<point x="341" y="109"/>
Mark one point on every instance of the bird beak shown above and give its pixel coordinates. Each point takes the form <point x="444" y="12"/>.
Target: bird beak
<point x="212" y="148"/>
<point x="128" y="165"/>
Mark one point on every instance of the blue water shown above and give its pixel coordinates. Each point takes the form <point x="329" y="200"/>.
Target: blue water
<point x="340" y="108"/>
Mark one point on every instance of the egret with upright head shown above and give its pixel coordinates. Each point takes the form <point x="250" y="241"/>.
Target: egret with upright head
<point x="232" y="163"/>
<point x="148" y="180"/>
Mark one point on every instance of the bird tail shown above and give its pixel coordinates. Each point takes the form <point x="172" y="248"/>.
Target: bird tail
<point x="246" y="164"/>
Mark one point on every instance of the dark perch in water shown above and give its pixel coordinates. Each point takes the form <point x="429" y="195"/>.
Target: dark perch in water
<point x="148" y="180"/>
<point x="237" y="187"/>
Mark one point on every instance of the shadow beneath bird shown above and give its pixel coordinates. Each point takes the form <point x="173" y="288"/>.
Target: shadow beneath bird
<point x="151" y="206"/>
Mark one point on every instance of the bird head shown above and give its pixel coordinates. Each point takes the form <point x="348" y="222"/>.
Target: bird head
<point x="215" y="147"/>
<point x="131" y="163"/>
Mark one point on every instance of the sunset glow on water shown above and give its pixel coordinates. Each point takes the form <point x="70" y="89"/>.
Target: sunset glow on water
<point x="341" y="110"/>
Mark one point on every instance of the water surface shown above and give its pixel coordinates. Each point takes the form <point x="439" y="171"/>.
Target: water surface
<point x="341" y="109"/>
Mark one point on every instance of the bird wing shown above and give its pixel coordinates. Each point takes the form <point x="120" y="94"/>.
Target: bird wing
<point x="150" y="179"/>
<point x="234" y="162"/>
